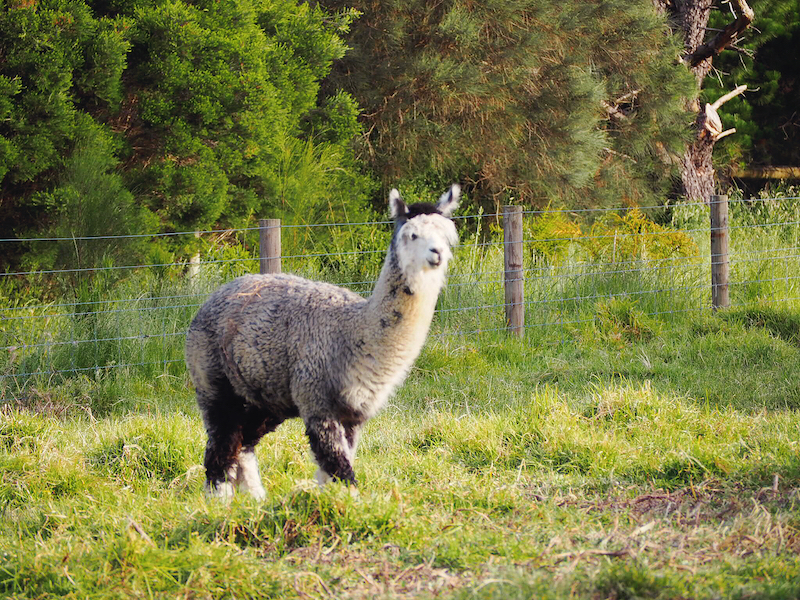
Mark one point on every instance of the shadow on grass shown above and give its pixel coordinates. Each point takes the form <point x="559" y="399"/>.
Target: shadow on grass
<point x="746" y="360"/>
<point x="782" y="323"/>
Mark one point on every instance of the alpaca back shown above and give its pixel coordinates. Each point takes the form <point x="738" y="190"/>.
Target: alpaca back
<point x="255" y="330"/>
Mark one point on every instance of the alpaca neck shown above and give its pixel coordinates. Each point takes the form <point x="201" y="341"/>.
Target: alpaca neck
<point x="402" y="305"/>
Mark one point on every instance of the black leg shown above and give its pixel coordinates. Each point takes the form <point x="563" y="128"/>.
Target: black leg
<point x="224" y="429"/>
<point x="234" y="427"/>
<point x="331" y="448"/>
<point x="256" y="424"/>
<point x="223" y="414"/>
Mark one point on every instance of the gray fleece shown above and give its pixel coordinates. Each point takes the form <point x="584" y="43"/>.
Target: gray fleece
<point x="264" y="348"/>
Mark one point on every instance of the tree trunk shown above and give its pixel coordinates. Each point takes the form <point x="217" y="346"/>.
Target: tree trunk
<point x="697" y="170"/>
<point x="690" y="19"/>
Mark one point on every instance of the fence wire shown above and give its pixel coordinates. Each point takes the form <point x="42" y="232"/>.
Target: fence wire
<point x="607" y="268"/>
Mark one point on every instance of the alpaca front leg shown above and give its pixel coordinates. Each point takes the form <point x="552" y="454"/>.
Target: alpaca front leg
<point x="332" y="450"/>
<point x="247" y="475"/>
<point x="352" y="434"/>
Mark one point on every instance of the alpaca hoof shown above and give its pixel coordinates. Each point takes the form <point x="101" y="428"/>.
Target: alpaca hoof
<point x="223" y="490"/>
<point x="258" y="493"/>
<point x="306" y="485"/>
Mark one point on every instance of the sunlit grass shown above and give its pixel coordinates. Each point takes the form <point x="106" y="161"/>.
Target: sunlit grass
<point x="633" y="444"/>
<point x="500" y="470"/>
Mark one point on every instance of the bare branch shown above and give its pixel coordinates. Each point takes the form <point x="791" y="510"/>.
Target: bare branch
<point x="711" y="121"/>
<point x="613" y="108"/>
<point x="724" y="133"/>
<point x="620" y="154"/>
<point x="626" y="97"/>
<point x="723" y="99"/>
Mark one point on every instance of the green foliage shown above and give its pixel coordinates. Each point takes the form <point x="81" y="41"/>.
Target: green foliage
<point x="58" y="59"/>
<point x="106" y="63"/>
<point x="215" y="110"/>
<point x="551" y="235"/>
<point x="554" y="237"/>
<point x="545" y="100"/>
<point x="765" y="117"/>
<point x="42" y="46"/>
<point x="631" y="236"/>
<point x="90" y="200"/>
<point x="226" y="88"/>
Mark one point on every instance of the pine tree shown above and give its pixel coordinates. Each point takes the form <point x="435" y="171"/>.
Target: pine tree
<point x="542" y="100"/>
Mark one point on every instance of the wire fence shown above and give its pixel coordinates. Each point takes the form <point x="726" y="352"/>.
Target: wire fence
<point x="612" y="269"/>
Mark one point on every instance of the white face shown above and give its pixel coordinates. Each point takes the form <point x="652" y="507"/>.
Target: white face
<point x="424" y="243"/>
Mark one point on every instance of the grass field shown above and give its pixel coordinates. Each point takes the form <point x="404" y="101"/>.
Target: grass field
<point x="614" y="465"/>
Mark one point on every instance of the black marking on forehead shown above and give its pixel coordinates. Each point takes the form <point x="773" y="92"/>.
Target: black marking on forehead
<point x="415" y="210"/>
<point x="421" y="208"/>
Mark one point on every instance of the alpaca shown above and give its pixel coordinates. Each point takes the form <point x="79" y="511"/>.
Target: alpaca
<point x="266" y="348"/>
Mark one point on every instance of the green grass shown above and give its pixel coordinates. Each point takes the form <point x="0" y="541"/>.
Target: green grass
<point x="632" y="445"/>
<point x="639" y="459"/>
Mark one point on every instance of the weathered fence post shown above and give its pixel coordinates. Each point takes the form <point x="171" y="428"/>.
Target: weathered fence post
<point x="719" y="252"/>
<point x="269" y="249"/>
<point x="194" y="263"/>
<point x="514" y="277"/>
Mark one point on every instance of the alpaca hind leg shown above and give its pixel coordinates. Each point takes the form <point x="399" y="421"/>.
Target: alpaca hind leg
<point x="223" y="413"/>
<point x="331" y="450"/>
<point x="258" y="425"/>
<point x="247" y="476"/>
<point x="222" y="464"/>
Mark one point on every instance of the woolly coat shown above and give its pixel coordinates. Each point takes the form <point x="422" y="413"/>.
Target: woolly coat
<point x="308" y="349"/>
<point x="265" y="348"/>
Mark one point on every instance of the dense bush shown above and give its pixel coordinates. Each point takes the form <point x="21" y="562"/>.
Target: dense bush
<point x="224" y="88"/>
<point x="130" y="116"/>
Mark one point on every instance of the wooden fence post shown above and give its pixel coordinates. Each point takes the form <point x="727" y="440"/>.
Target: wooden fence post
<point x="719" y="252"/>
<point x="269" y="248"/>
<point x="194" y="262"/>
<point x="514" y="277"/>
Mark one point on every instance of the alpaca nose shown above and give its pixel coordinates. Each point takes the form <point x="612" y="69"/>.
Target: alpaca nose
<point x="436" y="258"/>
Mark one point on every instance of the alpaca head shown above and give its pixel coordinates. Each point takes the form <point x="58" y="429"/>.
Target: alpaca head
<point x="424" y="234"/>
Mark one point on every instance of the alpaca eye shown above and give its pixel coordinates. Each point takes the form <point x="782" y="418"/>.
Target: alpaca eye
<point x="413" y="236"/>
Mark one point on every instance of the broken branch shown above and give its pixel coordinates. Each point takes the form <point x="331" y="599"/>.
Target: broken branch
<point x="725" y="37"/>
<point x="723" y="99"/>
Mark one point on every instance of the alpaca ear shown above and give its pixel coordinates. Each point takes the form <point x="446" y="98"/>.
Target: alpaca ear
<point x="449" y="200"/>
<point x="397" y="208"/>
